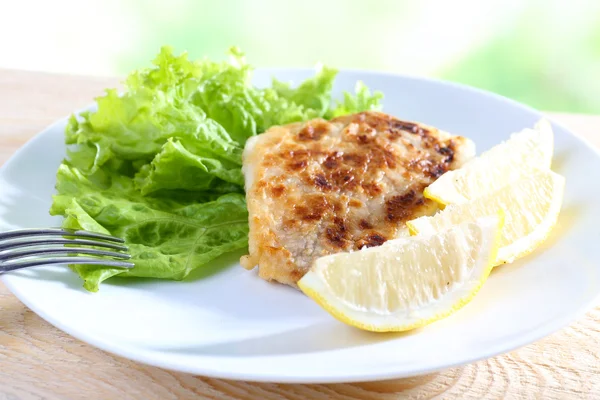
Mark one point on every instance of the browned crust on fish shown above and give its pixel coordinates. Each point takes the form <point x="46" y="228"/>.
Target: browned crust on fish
<point x="322" y="187"/>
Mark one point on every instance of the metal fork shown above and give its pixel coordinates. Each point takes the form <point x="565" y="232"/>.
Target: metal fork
<point x="50" y="246"/>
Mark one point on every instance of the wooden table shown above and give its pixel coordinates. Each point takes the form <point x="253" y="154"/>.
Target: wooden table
<point x="38" y="361"/>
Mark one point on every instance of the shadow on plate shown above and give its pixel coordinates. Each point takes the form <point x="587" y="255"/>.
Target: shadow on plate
<point x="64" y="275"/>
<point x="214" y="267"/>
<point x="326" y="336"/>
<point x="560" y="160"/>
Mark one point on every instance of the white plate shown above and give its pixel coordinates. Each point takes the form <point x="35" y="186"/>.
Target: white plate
<point x="230" y="324"/>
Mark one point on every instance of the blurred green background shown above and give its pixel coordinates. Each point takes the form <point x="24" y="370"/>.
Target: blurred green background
<point x="545" y="53"/>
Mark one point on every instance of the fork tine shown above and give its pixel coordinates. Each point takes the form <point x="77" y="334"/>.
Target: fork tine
<point x="61" y="251"/>
<point x="32" y="249"/>
<point x="57" y="232"/>
<point x="64" y="260"/>
<point x="45" y="241"/>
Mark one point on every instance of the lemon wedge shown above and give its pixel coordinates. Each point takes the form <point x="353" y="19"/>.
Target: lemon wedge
<point x="524" y="153"/>
<point x="531" y="206"/>
<point x="409" y="282"/>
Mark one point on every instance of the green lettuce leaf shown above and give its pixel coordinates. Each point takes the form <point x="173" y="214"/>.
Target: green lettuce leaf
<point x="160" y="164"/>
<point x="362" y="100"/>
<point x="312" y="94"/>
<point x="167" y="237"/>
<point x="176" y="167"/>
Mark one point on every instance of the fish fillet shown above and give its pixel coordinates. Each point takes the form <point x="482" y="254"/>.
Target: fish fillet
<point x="321" y="187"/>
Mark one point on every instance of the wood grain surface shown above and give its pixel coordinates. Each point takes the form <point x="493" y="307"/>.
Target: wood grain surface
<point x="37" y="361"/>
